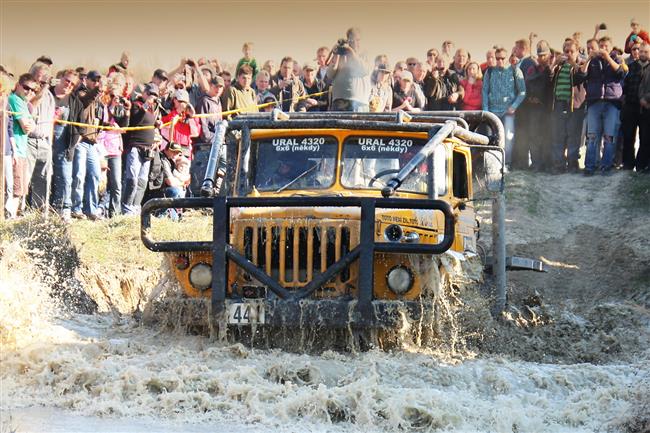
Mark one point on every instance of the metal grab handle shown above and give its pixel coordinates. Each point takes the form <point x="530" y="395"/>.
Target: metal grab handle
<point x="168" y="203"/>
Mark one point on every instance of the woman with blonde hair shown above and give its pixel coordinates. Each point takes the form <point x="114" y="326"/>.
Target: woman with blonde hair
<point x="116" y="114"/>
<point x="473" y="86"/>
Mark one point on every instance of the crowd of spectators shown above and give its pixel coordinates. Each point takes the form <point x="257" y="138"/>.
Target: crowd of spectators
<point x="552" y="102"/>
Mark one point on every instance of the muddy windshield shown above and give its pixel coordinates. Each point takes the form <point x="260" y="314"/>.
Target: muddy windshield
<point x="369" y="162"/>
<point x="295" y="162"/>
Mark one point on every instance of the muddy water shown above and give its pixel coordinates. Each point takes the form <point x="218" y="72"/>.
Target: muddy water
<point x="69" y="372"/>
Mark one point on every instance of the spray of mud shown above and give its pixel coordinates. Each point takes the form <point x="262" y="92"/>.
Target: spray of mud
<point x="515" y="374"/>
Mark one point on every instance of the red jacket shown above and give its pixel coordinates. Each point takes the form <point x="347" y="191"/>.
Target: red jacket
<point x="472" y="99"/>
<point x="184" y="130"/>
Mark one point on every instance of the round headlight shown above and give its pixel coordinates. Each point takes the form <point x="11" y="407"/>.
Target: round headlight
<point x="201" y="276"/>
<point x="399" y="280"/>
<point x="393" y="233"/>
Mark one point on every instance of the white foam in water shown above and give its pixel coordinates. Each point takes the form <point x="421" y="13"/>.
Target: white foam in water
<point x="101" y="373"/>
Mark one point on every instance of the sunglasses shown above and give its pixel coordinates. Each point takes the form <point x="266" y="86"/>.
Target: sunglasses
<point x="500" y="58"/>
<point x="412" y="64"/>
<point x="28" y="89"/>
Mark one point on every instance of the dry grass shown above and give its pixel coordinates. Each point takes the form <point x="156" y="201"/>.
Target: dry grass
<point x="114" y="242"/>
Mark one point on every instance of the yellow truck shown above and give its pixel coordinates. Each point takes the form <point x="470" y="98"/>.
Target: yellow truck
<point x="321" y="218"/>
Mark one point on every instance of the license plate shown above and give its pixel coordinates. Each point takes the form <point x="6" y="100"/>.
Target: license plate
<point x="245" y="313"/>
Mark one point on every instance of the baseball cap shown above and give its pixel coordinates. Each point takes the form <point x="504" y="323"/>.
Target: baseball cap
<point x="151" y="89"/>
<point x="94" y="75"/>
<point x="543" y="48"/>
<point x="182" y="95"/>
<point x="160" y="74"/>
<point x="406" y="75"/>
<point x="309" y="66"/>
<point x="174" y="147"/>
<point x="217" y="81"/>
<point x="268" y="99"/>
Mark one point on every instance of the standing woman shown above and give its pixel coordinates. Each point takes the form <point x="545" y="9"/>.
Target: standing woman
<point x="381" y="93"/>
<point x="473" y="86"/>
<point x="116" y="114"/>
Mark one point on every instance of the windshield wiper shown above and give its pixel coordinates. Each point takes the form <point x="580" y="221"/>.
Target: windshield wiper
<point x="300" y="176"/>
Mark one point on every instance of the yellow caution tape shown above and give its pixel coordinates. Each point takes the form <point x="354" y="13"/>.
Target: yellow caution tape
<point x="142" y="128"/>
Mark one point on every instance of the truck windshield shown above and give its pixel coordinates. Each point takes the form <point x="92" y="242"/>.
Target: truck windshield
<point x="369" y="162"/>
<point x="294" y="162"/>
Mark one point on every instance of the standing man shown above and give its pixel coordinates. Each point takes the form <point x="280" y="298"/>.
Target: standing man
<point x="631" y="108"/>
<point x="504" y="90"/>
<point x="643" y="155"/>
<point x="460" y="62"/>
<point x="67" y="107"/>
<point x="86" y="168"/>
<point x="289" y="90"/>
<point x="39" y="142"/>
<point x="241" y="95"/>
<point x="350" y="75"/>
<point x="442" y="87"/>
<point x="210" y="104"/>
<point x="139" y="148"/>
<point x="532" y="120"/>
<point x="321" y="60"/>
<point x="602" y="76"/>
<point x="567" y="118"/>
<point x="313" y="85"/>
<point x="23" y="124"/>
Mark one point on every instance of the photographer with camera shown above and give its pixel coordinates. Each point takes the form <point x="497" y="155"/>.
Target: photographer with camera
<point x="567" y="115"/>
<point x="636" y="36"/>
<point x="210" y="104"/>
<point x="602" y="75"/>
<point x="116" y="113"/>
<point x="349" y="74"/>
<point x="289" y="89"/>
<point x="86" y="168"/>
<point x="139" y="146"/>
<point x="186" y="125"/>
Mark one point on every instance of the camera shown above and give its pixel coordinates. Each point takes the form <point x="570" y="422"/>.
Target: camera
<point x="190" y="63"/>
<point x="342" y="47"/>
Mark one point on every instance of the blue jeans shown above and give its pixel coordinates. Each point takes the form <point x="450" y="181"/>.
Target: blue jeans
<point x="136" y="176"/>
<point x="174" y="192"/>
<point x="86" y="171"/>
<point x="602" y="120"/>
<point x="567" y="128"/>
<point x="62" y="195"/>
<point x="112" y="200"/>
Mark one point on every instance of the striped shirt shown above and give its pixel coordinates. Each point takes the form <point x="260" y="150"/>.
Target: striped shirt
<point x="563" y="86"/>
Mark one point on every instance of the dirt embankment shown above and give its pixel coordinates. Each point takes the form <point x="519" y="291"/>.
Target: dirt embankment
<point x="593" y="304"/>
<point x="78" y="279"/>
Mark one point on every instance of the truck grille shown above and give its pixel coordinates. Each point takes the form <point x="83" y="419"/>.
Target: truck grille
<point x="294" y="251"/>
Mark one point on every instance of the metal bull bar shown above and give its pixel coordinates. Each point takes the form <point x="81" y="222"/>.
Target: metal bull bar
<point x="222" y="250"/>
